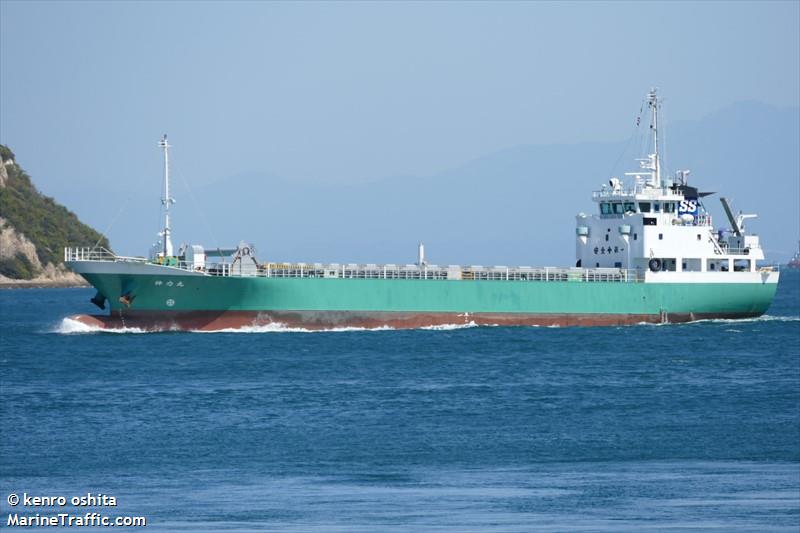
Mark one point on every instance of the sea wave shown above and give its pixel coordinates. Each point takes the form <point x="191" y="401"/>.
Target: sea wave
<point x="277" y="327"/>
<point x="762" y="318"/>
<point x="451" y="327"/>
<point x="70" y="326"/>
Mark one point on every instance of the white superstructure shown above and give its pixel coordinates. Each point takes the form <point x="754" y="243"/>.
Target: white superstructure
<point x="659" y="227"/>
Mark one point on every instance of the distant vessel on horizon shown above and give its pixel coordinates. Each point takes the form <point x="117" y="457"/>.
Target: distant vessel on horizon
<point x="649" y="253"/>
<point x="794" y="262"/>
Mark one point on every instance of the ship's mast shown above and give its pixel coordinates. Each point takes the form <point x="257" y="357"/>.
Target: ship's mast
<point x="166" y="200"/>
<point x="652" y="100"/>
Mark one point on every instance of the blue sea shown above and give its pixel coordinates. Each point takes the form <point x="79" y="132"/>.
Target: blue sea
<point x="690" y="427"/>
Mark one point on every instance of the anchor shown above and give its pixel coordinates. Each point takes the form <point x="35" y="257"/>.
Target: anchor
<point x="126" y="299"/>
<point x="99" y="300"/>
<point x="127" y="296"/>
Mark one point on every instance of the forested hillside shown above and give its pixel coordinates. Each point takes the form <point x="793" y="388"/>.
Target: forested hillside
<point x="34" y="229"/>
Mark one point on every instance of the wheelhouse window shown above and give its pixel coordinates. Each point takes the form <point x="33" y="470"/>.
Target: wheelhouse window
<point x="644" y="207"/>
<point x="630" y="207"/>
<point x="669" y="207"/>
<point x="605" y="208"/>
<point x="656" y="207"/>
<point x="618" y="208"/>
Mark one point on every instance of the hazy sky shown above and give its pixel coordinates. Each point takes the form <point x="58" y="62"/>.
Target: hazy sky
<point x="341" y="92"/>
<point x="348" y="92"/>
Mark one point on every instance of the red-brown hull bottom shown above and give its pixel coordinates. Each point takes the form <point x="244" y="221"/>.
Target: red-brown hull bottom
<point x="321" y="320"/>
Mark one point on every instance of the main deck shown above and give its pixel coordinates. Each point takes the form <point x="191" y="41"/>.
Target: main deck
<point x="241" y="268"/>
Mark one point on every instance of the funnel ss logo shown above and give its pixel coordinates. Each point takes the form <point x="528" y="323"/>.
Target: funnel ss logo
<point x="688" y="206"/>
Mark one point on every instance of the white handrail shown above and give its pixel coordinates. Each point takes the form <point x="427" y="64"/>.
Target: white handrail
<point x="357" y="271"/>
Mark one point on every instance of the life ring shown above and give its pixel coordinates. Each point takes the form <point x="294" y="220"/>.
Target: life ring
<point x="654" y="264"/>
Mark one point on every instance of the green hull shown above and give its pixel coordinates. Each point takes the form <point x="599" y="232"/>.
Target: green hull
<point x="209" y="293"/>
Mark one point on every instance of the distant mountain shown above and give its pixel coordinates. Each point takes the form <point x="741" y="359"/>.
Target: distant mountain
<point x="34" y="229"/>
<point x="515" y="206"/>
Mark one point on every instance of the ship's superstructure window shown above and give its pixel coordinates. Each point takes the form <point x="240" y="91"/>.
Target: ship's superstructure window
<point x="630" y="207"/>
<point x="656" y="207"/>
<point x="635" y="236"/>
<point x="660" y="236"/>
<point x="691" y="264"/>
<point x="718" y="265"/>
<point x="644" y="207"/>
<point x="669" y="207"/>
<point x="619" y="209"/>
<point x="605" y="208"/>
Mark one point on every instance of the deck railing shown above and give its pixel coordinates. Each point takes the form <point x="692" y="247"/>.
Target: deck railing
<point x="369" y="271"/>
<point x="97" y="254"/>
<point x="434" y="272"/>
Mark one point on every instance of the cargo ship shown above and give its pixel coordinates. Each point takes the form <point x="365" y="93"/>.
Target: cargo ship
<point x="648" y="253"/>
